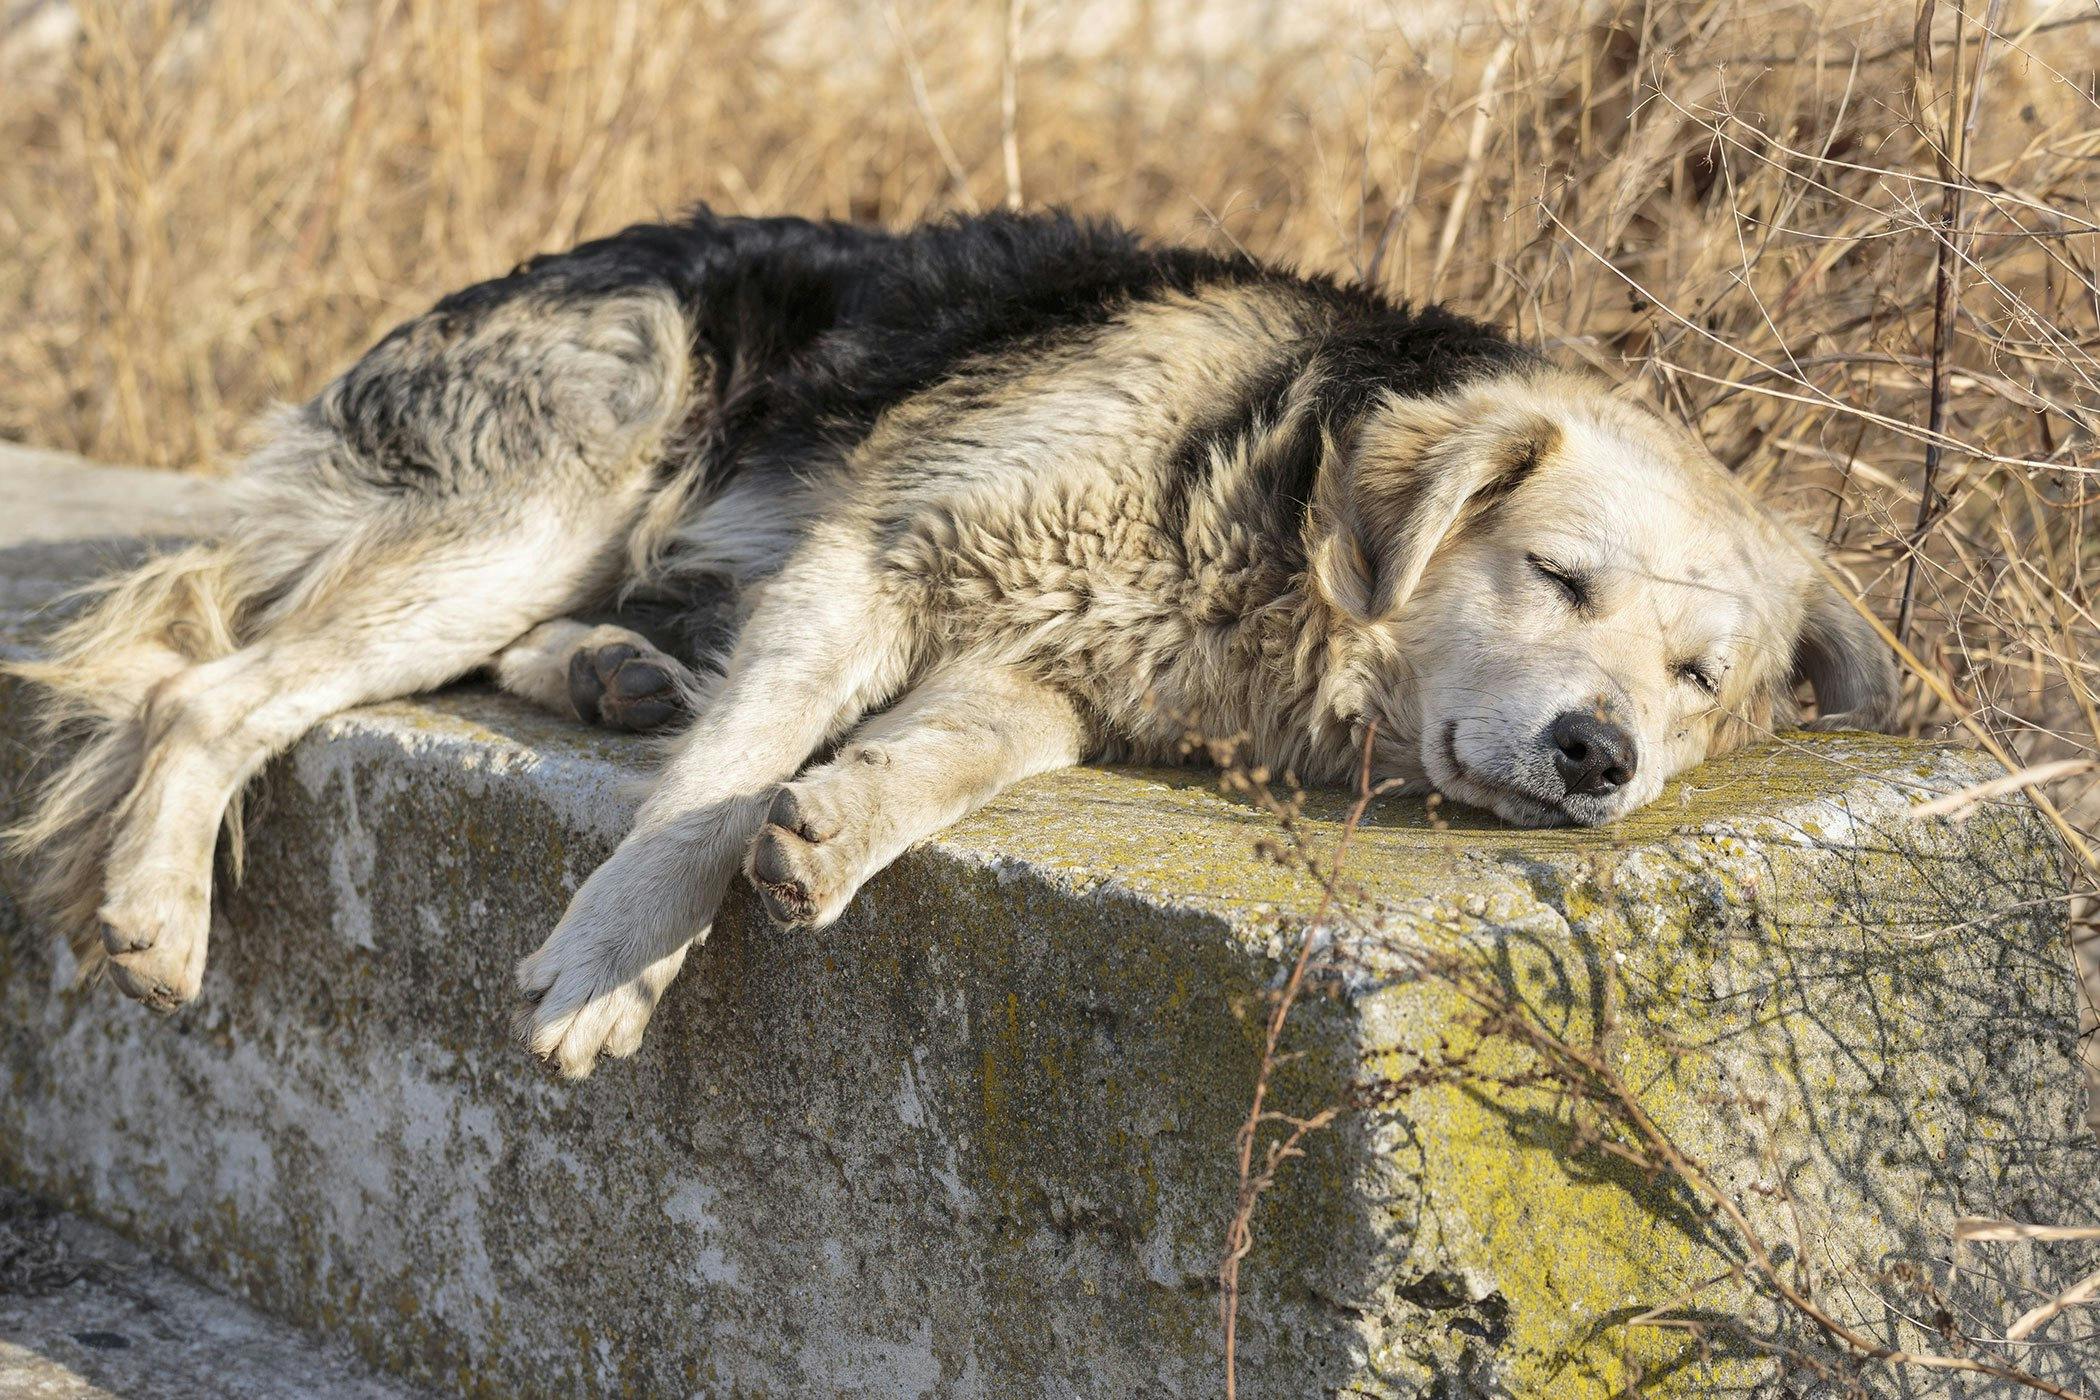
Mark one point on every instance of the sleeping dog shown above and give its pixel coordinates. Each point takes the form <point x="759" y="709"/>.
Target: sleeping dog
<point x="991" y="497"/>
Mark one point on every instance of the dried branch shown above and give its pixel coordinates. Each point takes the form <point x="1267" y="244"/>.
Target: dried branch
<point x="1239" y="1234"/>
<point x="1953" y="160"/>
<point x="922" y="102"/>
<point x="1009" y="102"/>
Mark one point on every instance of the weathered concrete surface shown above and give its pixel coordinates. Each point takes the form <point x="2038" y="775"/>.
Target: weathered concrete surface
<point x="85" y="1315"/>
<point x="62" y="521"/>
<point x="47" y="496"/>
<point x="976" y="1139"/>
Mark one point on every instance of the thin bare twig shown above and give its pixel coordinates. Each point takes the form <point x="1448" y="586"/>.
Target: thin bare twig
<point x="1953" y="161"/>
<point x="1009" y="102"/>
<point x="2078" y="1295"/>
<point x="922" y="101"/>
<point x="1239" y="1235"/>
<point x="1476" y="152"/>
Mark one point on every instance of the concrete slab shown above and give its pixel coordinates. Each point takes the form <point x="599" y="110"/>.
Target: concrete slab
<point x="46" y="497"/>
<point x="976" y="1140"/>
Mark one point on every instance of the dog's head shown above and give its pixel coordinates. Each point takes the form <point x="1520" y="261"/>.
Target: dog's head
<point x="1563" y="601"/>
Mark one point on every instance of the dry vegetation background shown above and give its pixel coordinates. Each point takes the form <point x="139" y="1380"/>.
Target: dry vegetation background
<point x="1854" y="244"/>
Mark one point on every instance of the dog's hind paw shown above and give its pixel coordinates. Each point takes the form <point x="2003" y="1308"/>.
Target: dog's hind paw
<point x="155" y="933"/>
<point x="628" y="684"/>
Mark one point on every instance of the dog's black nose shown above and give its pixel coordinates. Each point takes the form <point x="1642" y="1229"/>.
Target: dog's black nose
<point x="1592" y="754"/>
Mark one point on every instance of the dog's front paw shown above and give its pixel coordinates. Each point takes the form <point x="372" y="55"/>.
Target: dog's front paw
<point x="155" y="931"/>
<point x="581" y="1009"/>
<point x="805" y="862"/>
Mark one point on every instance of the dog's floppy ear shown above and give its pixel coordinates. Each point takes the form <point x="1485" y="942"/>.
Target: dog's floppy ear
<point x="1845" y="662"/>
<point x="1413" y="474"/>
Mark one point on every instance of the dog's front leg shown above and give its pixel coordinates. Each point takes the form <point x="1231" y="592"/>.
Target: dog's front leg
<point x="966" y="732"/>
<point x="817" y="652"/>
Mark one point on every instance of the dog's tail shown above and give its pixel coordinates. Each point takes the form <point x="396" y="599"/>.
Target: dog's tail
<point x="95" y="676"/>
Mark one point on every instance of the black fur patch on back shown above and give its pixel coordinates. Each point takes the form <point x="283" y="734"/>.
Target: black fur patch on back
<point x="813" y="329"/>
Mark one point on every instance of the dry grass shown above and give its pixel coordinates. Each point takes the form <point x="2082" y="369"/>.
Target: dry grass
<point x="1856" y="246"/>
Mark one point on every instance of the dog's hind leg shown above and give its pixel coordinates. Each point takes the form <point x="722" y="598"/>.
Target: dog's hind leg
<point x="966" y="732"/>
<point x="479" y="472"/>
<point x="426" y="619"/>
<point x="822" y="646"/>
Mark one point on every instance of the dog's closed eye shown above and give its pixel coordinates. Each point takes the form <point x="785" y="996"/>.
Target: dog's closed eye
<point x="1699" y="674"/>
<point x="1573" y="583"/>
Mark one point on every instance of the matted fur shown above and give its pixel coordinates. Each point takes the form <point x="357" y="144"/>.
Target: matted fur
<point x="991" y="497"/>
